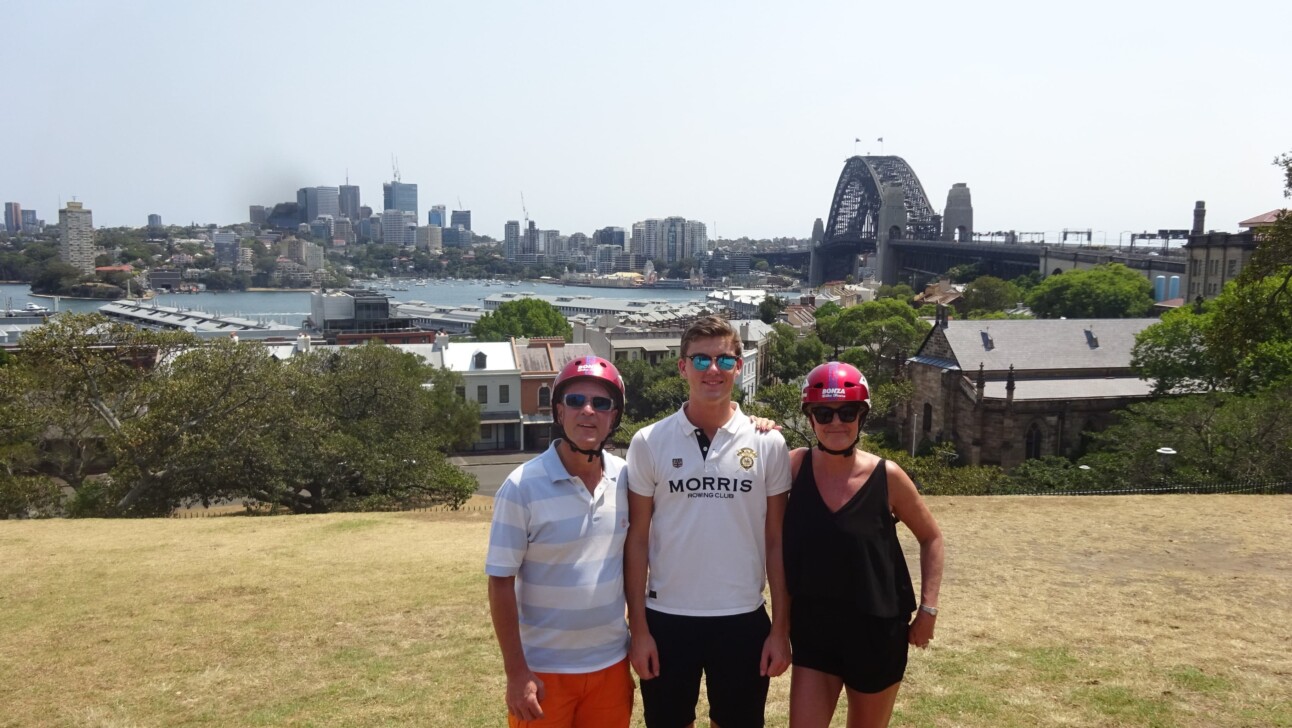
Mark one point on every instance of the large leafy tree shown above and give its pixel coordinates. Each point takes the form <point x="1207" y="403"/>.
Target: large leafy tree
<point x="1105" y="291"/>
<point x="1219" y="437"/>
<point x="989" y="293"/>
<point x="522" y="318"/>
<point x="1173" y="353"/>
<point x="789" y="357"/>
<point x="884" y="332"/>
<point x="377" y="424"/>
<point x="180" y="421"/>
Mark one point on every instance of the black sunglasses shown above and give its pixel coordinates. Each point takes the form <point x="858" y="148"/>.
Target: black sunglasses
<point x="825" y="415"/>
<point x="600" y="404"/>
<point x="701" y="362"/>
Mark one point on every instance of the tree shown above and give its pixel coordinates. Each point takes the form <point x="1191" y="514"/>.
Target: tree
<point x="989" y="293"/>
<point x="791" y="357"/>
<point x="1106" y="291"/>
<point x="901" y="292"/>
<point x="1218" y="438"/>
<point x="181" y="421"/>
<point x="885" y="332"/>
<point x="376" y="429"/>
<point x="23" y="492"/>
<point x="1249" y="339"/>
<point x="640" y="376"/>
<point x="770" y="307"/>
<point x="526" y="317"/>
<point x="1174" y="355"/>
<point x="56" y="277"/>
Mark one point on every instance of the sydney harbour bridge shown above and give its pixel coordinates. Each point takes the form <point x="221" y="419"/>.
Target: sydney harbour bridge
<point x="879" y="200"/>
<point x="880" y="208"/>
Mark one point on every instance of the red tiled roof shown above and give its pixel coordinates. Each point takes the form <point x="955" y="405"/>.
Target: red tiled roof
<point x="1268" y="218"/>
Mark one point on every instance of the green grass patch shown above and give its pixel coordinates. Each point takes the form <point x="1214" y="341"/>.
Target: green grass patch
<point x="1125" y="705"/>
<point x="1191" y="678"/>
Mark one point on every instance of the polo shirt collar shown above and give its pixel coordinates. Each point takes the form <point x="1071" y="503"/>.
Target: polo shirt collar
<point x="731" y="426"/>
<point x="552" y="464"/>
<point x="556" y="471"/>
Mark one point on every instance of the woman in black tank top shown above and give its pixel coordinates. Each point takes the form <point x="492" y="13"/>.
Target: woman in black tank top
<point x="851" y="593"/>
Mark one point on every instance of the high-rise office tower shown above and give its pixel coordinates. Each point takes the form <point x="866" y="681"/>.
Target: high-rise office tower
<point x="398" y="227"/>
<point x="461" y="217"/>
<point x="13" y="217"/>
<point x="154" y="221"/>
<point x="316" y="201"/>
<point x="400" y="196"/>
<point x="349" y="201"/>
<point x="259" y="215"/>
<point x="343" y="230"/>
<point x="76" y="242"/>
<point x="31" y="223"/>
<point x="437" y="216"/>
<point x="511" y="239"/>
<point x="529" y="245"/>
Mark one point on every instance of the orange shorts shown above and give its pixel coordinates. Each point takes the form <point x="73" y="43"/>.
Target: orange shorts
<point x="601" y="699"/>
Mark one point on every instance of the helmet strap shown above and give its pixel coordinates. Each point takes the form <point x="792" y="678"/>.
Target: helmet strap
<point x="592" y="454"/>
<point x="846" y="451"/>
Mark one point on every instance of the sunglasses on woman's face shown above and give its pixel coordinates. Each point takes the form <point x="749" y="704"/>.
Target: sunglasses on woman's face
<point x="825" y="415"/>
<point x="702" y="362"/>
<point x="600" y="404"/>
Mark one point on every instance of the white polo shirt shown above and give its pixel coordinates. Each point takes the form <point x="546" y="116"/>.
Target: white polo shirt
<point x="708" y="545"/>
<point x="565" y="546"/>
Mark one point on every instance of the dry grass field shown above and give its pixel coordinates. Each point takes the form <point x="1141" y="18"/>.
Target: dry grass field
<point x="1133" y="611"/>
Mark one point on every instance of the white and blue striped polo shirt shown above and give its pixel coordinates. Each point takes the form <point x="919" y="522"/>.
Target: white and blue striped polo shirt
<point x="565" y="546"/>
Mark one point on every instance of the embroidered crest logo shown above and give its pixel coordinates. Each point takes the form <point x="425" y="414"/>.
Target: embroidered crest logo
<point x="746" y="457"/>
<point x="677" y="462"/>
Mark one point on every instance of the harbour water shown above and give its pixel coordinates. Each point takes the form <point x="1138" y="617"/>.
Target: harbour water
<point x="291" y="307"/>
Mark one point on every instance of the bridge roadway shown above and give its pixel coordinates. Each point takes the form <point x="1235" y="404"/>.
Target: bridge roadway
<point x="1018" y="258"/>
<point x="1009" y="260"/>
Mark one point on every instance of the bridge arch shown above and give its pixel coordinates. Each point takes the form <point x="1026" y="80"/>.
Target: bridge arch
<point x="854" y="225"/>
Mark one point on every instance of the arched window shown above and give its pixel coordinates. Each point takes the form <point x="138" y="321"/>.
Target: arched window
<point x="1032" y="445"/>
<point x="480" y="360"/>
<point x="544" y="396"/>
<point x="895" y="233"/>
<point x="928" y="417"/>
<point x="962" y="234"/>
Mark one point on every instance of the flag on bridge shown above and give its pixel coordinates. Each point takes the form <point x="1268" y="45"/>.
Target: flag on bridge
<point x="880" y="139"/>
<point x="857" y="139"/>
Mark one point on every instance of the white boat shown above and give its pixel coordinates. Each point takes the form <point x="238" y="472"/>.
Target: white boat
<point x="33" y="308"/>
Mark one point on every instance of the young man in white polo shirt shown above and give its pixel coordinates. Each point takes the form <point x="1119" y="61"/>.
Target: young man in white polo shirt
<point x="707" y="496"/>
<point x="555" y="565"/>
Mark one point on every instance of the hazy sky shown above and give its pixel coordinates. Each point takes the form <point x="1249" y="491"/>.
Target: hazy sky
<point x="1105" y="115"/>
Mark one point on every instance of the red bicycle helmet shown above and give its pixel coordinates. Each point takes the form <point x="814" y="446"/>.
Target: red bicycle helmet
<point x="835" y="382"/>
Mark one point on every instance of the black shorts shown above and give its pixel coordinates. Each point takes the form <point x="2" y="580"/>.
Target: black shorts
<point x="869" y="653"/>
<point x="726" y="649"/>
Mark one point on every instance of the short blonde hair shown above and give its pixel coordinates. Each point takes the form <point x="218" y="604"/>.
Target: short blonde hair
<point x="712" y="327"/>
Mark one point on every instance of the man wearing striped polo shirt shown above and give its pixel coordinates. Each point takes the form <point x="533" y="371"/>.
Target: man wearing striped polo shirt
<point x="555" y="565"/>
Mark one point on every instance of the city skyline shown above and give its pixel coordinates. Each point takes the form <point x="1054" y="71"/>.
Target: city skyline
<point x="1108" y="117"/>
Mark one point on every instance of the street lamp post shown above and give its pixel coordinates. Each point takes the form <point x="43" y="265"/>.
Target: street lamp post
<point x="1164" y="455"/>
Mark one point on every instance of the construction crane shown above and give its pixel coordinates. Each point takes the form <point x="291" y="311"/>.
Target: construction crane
<point x="394" y="167"/>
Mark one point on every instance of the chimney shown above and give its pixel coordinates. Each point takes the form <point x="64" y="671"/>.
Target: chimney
<point x="1199" y="217"/>
<point x="1009" y="386"/>
<point x="303" y="342"/>
<point x="987" y="343"/>
<point x="1091" y="340"/>
<point x="981" y="385"/>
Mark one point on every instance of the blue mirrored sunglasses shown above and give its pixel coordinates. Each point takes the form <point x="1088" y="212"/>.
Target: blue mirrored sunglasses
<point x="600" y="404"/>
<point x="701" y="362"/>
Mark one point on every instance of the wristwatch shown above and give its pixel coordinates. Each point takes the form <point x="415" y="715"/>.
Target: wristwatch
<point x="931" y="611"/>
